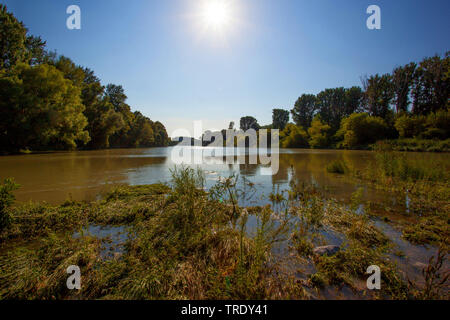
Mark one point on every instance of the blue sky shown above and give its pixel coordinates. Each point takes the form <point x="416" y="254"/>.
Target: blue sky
<point x="176" y="70"/>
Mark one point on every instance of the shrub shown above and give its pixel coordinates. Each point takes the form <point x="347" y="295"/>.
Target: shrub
<point x="337" y="166"/>
<point x="6" y="200"/>
<point x="319" y="134"/>
<point x="433" y="126"/>
<point x="360" y="129"/>
<point x="410" y="126"/>
<point x="438" y="125"/>
<point x="293" y="137"/>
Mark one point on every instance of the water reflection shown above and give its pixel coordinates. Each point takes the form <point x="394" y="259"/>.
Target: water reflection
<point x="55" y="177"/>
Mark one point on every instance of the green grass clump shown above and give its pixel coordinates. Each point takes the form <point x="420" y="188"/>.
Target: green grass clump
<point x="428" y="230"/>
<point x="6" y="200"/>
<point x="419" y="145"/>
<point x="132" y="192"/>
<point x="337" y="166"/>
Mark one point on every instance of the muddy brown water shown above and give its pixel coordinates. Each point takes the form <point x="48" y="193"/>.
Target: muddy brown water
<point x="82" y="175"/>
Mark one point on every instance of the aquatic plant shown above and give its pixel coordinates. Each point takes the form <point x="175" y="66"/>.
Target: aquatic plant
<point x="337" y="166"/>
<point x="6" y="200"/>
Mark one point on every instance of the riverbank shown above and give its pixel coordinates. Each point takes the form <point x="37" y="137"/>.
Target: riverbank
<point x="180" y="242"/>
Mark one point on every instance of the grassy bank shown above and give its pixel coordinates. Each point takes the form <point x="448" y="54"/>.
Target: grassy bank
<point x="422" y="184"/>
<point x="418" y="145"/>
<point x="187" y="243"/>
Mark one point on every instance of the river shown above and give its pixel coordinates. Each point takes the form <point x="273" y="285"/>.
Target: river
<point x="83" y="175"/>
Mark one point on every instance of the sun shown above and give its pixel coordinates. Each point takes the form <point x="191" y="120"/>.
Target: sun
<point x="216" y="14"/>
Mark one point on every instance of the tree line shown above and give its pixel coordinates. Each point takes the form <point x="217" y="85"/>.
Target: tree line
<point x="411" y="102"/>
<point x="50" y="103"/>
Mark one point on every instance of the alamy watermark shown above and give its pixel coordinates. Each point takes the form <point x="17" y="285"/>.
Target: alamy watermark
<point x="374" y="281"/>
<point x="374" y="21"/>
<point x="74" y="20"/>
<point x="228" y="147"/>
<point x="74" y="281"/>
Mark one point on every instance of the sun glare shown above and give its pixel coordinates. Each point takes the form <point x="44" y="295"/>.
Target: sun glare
<point x="216" y="14"/>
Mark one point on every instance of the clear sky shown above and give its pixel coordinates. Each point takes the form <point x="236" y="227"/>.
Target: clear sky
<point x="178" y="62"/>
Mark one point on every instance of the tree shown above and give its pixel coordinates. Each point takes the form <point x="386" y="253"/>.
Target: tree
<point x="15" y="45"/>
<point x="319" y="133"/>
<point x="331" y="106"/>
<point x="402" y="81"/>
<point x="13" y="40"/>
<point x="409" y="126"/>
<point x="293" y="137"/>
<point x="280" y="118"/>
<point x="304" y="110"/>
<point x="142" y="131"/>
<point x="42" y="110"/>
<point x="353" y="101"/>
<point x="248" y="122"/>
<point x="36" y="50"/>
<point x="71" y="71"/>
<point x="360" y="129"/>
<point x="437" y="125"/>
<point x="104" y="122"/>
<point x="432" y="87"/>
<point x="378" y="94"/>
<point x="116" y="95"/>
<point x="161" y="137"/>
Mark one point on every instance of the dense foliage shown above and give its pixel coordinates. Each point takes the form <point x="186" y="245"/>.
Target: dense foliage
<point x="50" y="103"/>
<point x="280" y="118"/>
<point x="409" y="107"/>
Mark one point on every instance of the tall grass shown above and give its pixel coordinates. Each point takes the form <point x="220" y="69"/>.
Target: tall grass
<point x="399" y="165"/>
<point x="186" y="242"/>
<point x="6" y="200"/>
<point x="337" y="166"/>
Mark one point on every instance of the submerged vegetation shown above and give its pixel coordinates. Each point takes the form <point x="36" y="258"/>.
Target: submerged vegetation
<point x="186" y="242"/>
<point x="424" y="185"/>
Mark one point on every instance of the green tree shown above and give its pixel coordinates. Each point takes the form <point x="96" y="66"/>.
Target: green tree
<point x="438" y="125"/>
<point x="280" y="118"/>
<point x="378" y="95"/>
<point x="160" y="133"/>
<point x="142" y="131"/>
<point x="402" y="81"/>
<point x="13" y="37"/>
<point x="410" y="126"/>
<point x="41" y="109"/>
<point x="15" y="45"/>
<point x="432" y="87"/>
<point x="304" y="110"/>
<point x="331" y="106"/>
<point x="248" y="122"/>
<point x="353" y="101"/>
<point x="36" y="50"/>
<point x="117" y="97"/>
<point x="293" y="137"/>
<point x="104" y="122"/>
<point x="319" y="133"/>
<point x="360" y="129"/>
<point x="70" y="70"/>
